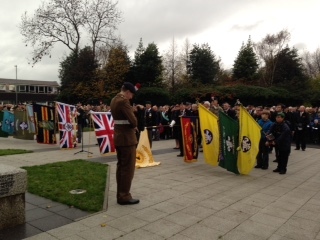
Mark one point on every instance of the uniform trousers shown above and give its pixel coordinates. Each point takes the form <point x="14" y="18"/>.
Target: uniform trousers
<point x="125" y="171"/>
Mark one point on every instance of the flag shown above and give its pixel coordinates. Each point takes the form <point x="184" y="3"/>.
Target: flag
<point x="44" y="121"/>
<point x="8" y="122"/>
<point x="249" y="138"/>
<point x="31" y="125"/>
<point x="210" y="135"/>
<point x="2" y="133"/>
<point x="229" y="130"/>
<point x="104" y="129"/>
<point x="189" y="128"/>
<point x="66" y="124"/>
<point x="21" y="126"/>
<point x="144" y="156"/>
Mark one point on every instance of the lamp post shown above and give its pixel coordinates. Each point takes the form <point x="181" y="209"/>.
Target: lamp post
<point x="16" y="84"/>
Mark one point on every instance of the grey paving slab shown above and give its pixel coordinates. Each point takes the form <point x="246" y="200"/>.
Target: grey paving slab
<point x="192" y="201"/>
<point x="199" y="231"/>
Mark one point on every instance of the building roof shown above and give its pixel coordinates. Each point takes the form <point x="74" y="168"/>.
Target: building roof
<point x="8" y="81"/>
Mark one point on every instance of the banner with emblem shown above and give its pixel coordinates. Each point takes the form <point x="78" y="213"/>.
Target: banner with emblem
<point x="104" y="130"/>
<point x="44" y="120"/>
<point x="8" y="122"/>
<point x="31" y="124"/>
<point x="21" y="126"/>
<point x="189" y="128"/>
<point x="66" y="125"/>
<point x="229" y="130"/>
<point x="249" y="138"/>
<point x="210" y="135"/>
<point x="2" y="133"/>
<point x="144" y="157"/>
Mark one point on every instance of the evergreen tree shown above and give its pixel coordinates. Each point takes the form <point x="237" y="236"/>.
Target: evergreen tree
<point x="147" y="67"/>
<point x="76" y="73"/>
<point x="246" y="64"/>
<point x="203" y="64"/>
<point x="116" y="69"/>
<point x="289" y="71"/>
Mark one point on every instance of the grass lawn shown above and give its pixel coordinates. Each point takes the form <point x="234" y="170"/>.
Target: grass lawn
<point x="55" y="181"/>
<point x="4" y="152"/>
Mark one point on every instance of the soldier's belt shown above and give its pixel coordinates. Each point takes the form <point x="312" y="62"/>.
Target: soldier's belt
<point x="121" y="122"/>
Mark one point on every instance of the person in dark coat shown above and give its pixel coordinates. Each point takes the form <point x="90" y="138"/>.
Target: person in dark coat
<point x="176" y="123"/>
<point x="125" y="141"/>
<point x="301" y="124"/>
<point x="151" y="120"/>
<point x="140" y="115"/>
<point x="230" y="112"/>
<point x="280" y="136"/>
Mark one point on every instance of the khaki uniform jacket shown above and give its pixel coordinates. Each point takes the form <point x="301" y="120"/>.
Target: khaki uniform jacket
<point x="124" y="134"/>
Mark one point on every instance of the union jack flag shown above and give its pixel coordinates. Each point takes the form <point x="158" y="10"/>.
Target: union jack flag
<point x="66" y="123"/>
<point x="104" y="129"/>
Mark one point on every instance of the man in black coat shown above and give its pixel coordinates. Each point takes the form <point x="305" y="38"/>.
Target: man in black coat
<point x="151" y="120"/>
<point x="301" y="124"/>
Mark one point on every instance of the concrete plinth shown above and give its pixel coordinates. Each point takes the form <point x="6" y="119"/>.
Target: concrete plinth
<point x="13" y="185"/>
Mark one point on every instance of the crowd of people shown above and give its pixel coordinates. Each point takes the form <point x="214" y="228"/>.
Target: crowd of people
<point x="157" y="119"/>
<point x="280" y="126"/>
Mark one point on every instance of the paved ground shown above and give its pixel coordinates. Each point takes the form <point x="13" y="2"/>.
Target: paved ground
<point x="194" y="201"/>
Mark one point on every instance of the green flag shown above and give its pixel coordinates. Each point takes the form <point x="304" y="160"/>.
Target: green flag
<point x="229" y="129"/>
<point x="21" y="126"/>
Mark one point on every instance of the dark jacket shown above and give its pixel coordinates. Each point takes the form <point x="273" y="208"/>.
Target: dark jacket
<point x="301" y="121"/>
<point x="282" y="134"/>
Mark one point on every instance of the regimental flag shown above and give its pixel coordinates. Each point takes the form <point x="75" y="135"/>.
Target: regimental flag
<point x="229" y="130"/>
<point x="104" y="129"/>
<point x="210" y="134"/>
<point x="21" y="126"/>
<point x="44" y="120"/>
<point x="30" y="120"/>
<point x="2" y="133"/>
<point x="66" y="125"/>
<point x="144" y="156"/>
<point x="8" y="122"/>
<point x="189" y="127"/>
<point x="249" y="138"/>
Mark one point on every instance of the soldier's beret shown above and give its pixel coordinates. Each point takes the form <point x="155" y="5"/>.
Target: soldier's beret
<point x="148" y="102"/>
<point x="129" y="86"/>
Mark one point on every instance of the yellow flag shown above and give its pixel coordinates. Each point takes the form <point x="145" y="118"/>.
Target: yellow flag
<point x="249" y="137"/>
<point x="210" y="135"/>
<point x="144" y="156"/>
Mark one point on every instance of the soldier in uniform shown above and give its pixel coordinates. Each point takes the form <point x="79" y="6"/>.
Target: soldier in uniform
<point x="125" y="141"/>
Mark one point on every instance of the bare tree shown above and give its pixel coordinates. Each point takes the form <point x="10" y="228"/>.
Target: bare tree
<point x="312" y="63"/>
<point x="62" y="21"/>
<point x="268" y="49"/>
<point x="185" y="55"/>
<point x="101" y="20"/>
<point x="173" y="65"/>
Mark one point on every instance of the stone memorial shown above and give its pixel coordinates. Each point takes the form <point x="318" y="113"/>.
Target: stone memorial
<point x="13" y="185"/>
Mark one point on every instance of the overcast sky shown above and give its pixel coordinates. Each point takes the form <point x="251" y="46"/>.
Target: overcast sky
<point x="223" y="24"/>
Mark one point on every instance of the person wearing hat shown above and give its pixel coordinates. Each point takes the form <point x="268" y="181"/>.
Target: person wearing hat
<point x="125" y="141"/>
<point x="280" y="136"/>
